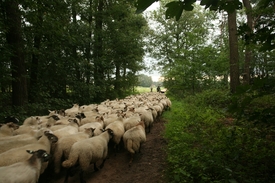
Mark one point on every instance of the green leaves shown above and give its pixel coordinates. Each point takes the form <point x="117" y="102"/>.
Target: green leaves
<point x="142" y="5"/>
<point x="225" y="5"/>
<point x="175" y="8"/>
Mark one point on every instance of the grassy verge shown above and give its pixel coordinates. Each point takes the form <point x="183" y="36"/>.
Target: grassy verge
<point x="207" y="144"/>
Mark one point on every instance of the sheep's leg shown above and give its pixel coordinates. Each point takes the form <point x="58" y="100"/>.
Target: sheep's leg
<point x="102" y="164"/>
<point x="95" y="168"/>
<point x="67" y="175"/>
<point x="131" y="160"/>
<point x="81" y="177"/>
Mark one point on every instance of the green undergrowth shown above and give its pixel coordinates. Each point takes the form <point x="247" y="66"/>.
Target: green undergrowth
<point x="207" y="144"/>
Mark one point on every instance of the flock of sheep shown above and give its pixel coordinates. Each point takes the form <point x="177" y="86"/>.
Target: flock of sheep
<point x="77" y="137"/>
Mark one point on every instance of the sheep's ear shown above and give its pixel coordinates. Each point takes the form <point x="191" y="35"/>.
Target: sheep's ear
<point x="30" y="151"/>
<point x="93" y="129"/>
<point x="102" y="130"/>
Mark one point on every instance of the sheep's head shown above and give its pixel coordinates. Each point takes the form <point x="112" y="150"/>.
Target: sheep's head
<point x="51" y="136"/>
<point x="55" y="117"/>
<point x="41" y="154"/>
<point x="111" y="132"/>
<point x="89" y="131"/>
<point x="12" y="125"/>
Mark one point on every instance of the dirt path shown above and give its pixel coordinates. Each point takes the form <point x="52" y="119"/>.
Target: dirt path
<point x="148" y="166"/>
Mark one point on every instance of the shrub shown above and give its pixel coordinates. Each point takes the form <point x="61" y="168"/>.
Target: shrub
<point x="206" y="146"/>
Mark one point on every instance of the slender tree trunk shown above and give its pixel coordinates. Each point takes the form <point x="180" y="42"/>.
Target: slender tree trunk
<point x="74" y="48"/>
<point x="248" y="54"/>
<point x="33" y="85"/>
<point x="15" y="42"/>
<point x="234" y="55"/>
<point x="98" y="49"/>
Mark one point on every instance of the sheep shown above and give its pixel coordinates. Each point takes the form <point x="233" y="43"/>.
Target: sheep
<point x="118" y="128"/>
<point x="133" y="138"/>
<point x="64" y="144"/>
<point x="17" y="154"/>
<point x="57" y="112"/>
<point x="32" y="121"/>
<point x="7" y="129"/>
<point x="9" y="144"/>
<point x="24" y="129"/>
<point x="97" y="124"/>
<point x="110" y="119"/>
<point x="131" y="121"/>
<point x="72" y="111"/>
<point x="51" y="121"/>
<point x="147" y="117"/>
<point x="87" y="119"/>
<point x="26" y="171"/>
<point x="70" y="129"/>
<point x="89" y="151"/>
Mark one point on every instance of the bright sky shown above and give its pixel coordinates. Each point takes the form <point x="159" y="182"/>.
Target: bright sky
<point x="154" y="74"/>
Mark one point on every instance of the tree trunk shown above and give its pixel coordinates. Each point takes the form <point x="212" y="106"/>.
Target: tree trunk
<point x="246" y="74"/>
<point x="97" y="52"/>
<point x="15" y="42"/>
<point x="33" y="85"/>
<point x="234" y="55"/>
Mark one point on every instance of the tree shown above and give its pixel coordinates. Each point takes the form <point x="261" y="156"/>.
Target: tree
<point x="16" y="46"/>
<point x="175" y="9"/>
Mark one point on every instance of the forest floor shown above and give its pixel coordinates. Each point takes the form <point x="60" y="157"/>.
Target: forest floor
<point x="149" y="166"/>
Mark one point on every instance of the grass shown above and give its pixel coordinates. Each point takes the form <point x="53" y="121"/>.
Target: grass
<point x="141" y="89"/>
<point x="206" y="144"/>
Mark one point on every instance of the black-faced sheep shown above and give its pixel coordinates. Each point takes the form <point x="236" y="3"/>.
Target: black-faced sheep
<point x="18" y="154"/>
<point x="89" y="151"/>
<point x="133" y="138"/>
<point x="64" y="144"/>
<point x="7" y="129"/>
<point x="27" y="171"/>
<point x="118" y="128"/>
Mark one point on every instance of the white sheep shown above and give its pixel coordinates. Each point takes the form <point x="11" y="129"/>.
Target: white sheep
<point x="146" y="116"/>
<point x="131" y="121"/>
<point x="133" y="138"/>
<point x="32" y="121"/>
<point x="69" y="129"/>
<point x="7" y="129"/>
<point x="97" y="125"/>
<point x="17" y="154"/>
<point x="89" y="151"/>
<point x="51" y="121"/>
<point x="64" y="144"/>
<point x="118" y="128"/>
<point x="72" y="111"/>
<point x="27" y="171"/>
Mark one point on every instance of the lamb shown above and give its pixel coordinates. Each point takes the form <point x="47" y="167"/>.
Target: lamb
<point x="26" y="171"/>
<point x="64" y="144"/>
<point x="133" y="139"/>
<point x="89" y="151"/>
<point x="7" y="129"/>
<point x="17" y="154"/>
<point x="118" y="128"/>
